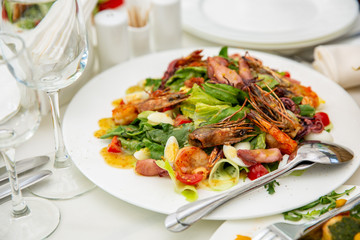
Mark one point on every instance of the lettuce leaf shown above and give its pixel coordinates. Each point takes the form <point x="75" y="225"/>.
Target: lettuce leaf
<point x="227" y="112"/>
<point x="266" y="81"/>
<point x="197" y="95"/>
<point x="224" y="175"/>
<point x="188" y="191"/>
<point x="204" y="112"/>
<point x="225" y="92"/>
<point x="258" y="142"/>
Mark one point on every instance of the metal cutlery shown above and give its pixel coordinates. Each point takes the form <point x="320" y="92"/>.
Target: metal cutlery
<point x="287" y="231"/>
<point x="25" y="165"/>
<point x="307" y="152"/>
<point x="25" y="181"/>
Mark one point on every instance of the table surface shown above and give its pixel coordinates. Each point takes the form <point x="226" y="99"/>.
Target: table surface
<point x="99" y="215"/>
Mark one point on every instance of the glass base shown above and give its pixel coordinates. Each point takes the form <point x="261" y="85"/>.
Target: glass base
<point x="64" y="183"/>
<point x="43" y="219"/>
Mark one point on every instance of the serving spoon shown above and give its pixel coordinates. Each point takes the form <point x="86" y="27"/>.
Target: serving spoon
<point x="306" y="154"/>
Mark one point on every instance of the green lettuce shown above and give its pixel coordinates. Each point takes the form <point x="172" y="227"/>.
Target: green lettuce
<point x="197" y="95"/>
<point x="188" y="191"/>
<point x="176" y="81"/>
<point x="224" y="175"/>
<point x="225" y="92"/>
<point x="266" y="81"/>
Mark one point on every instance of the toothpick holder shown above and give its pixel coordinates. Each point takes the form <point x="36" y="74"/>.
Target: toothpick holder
<point x="139" y="39"/>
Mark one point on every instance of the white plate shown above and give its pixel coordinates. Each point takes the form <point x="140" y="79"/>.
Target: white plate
<point x="269" y="24"/>
<point x="93" y="102"/>
<point x="249" y="227"/>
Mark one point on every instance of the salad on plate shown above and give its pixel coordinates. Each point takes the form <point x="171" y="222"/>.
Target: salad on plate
<point x="212" y="122"/>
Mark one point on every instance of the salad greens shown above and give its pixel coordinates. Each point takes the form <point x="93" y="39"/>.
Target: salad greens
<point x="328" y="202"/>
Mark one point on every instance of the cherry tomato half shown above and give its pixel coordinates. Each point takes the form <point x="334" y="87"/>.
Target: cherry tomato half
<point x="114" y="146"/>
<point x="287" y="74"/>
<point x="323" y="117"/>
<point x="189" y="179"/>
<point x="181" y="119"/>
<point x="257" y="171"/>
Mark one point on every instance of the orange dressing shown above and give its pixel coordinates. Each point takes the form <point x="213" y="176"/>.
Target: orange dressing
<point x="104" y="124"/>
<point x="117" y="102"/>
<point x="241" y="237"/>
<point x="118" y="160"/>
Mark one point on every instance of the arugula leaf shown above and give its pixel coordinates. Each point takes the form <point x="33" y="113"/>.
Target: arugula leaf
<point x="270" y="187"/>
<point x="224" y="52"/>
<point x="176" y="81"/>
<point x="156" y="150"/>
<point x="131" y="145"/>
<point x="329" y="200"/>
<point x="297" y="100"/>
<point x="307" y="110"/>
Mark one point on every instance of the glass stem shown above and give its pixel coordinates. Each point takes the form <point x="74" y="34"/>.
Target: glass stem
<point x="19" y="207"/>
<point x="62" y="158"/>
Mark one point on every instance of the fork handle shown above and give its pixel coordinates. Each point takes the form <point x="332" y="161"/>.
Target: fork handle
<point x="190" y="213"/>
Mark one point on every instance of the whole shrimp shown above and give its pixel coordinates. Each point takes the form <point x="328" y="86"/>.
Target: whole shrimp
<point x="272" y="109"/>
<point x="287" y="87"/>
<point x="283" y="141"/>
<point x="224" y="132"/>
<point x="161" y="99"/>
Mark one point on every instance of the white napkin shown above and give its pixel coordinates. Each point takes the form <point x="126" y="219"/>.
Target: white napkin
<point x="52" y="34"/>
<point x="9" y="94"/>
<point x="339" y="59"/>
<point x="339" y="63"/>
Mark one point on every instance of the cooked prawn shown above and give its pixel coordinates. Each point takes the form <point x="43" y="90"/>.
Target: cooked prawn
<point x="272" y="109"/>
<point x="285" y="143"/>
<point x="124" y="114"/>
<point x="161" y="99"/>
<point x="192" y="160"/>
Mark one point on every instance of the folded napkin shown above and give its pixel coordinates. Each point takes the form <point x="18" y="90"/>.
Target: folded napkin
<point x="339" y="62"/>
<point x="339" y="59"/>
<point x="48" y="40"/>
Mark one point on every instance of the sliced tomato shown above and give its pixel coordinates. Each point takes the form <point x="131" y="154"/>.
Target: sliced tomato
<point x="167" y="109"/>
<point x="257" y="171"/>
<point x="189" y="179"/>
<point x="323" y="117"/>
<point x="110" y="4"/>
<point x="181" y="119"/>
<point x="114" y="146"/>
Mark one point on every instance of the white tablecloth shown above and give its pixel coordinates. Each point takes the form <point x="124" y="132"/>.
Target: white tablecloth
<point x="98" y="215"/>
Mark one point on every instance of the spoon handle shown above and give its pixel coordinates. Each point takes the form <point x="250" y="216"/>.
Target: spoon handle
<point x="190" y="213"/>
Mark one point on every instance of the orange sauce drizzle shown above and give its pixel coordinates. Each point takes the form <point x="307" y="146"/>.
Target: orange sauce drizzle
<point x="118" y="160"/>
<point x="104" y="124"/>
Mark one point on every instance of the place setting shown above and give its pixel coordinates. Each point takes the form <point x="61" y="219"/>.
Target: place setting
<point x="226" y="140"/>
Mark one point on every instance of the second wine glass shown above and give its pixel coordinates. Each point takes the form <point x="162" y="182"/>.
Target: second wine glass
<point x="20" y="218"/>
<point x="55" y="35"/>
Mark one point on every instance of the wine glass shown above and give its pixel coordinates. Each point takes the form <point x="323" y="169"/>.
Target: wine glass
<point x="29" y="218"/>
<point x="55" y="36"/>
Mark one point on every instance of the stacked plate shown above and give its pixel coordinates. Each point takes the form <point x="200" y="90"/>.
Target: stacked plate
<point x="269" y="24"/>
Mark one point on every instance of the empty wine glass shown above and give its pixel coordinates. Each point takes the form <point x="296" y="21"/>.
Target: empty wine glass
<point x="20" y="218"/>
<point x="55" y="35"/>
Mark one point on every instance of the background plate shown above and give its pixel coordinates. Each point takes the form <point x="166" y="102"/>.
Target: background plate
<point x="93" y="102"/>
<point x="249" y="227"/>
<point x="269" y="24"/>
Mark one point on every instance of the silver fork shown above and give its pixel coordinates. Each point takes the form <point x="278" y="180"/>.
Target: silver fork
<point x="287" y="231"/>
